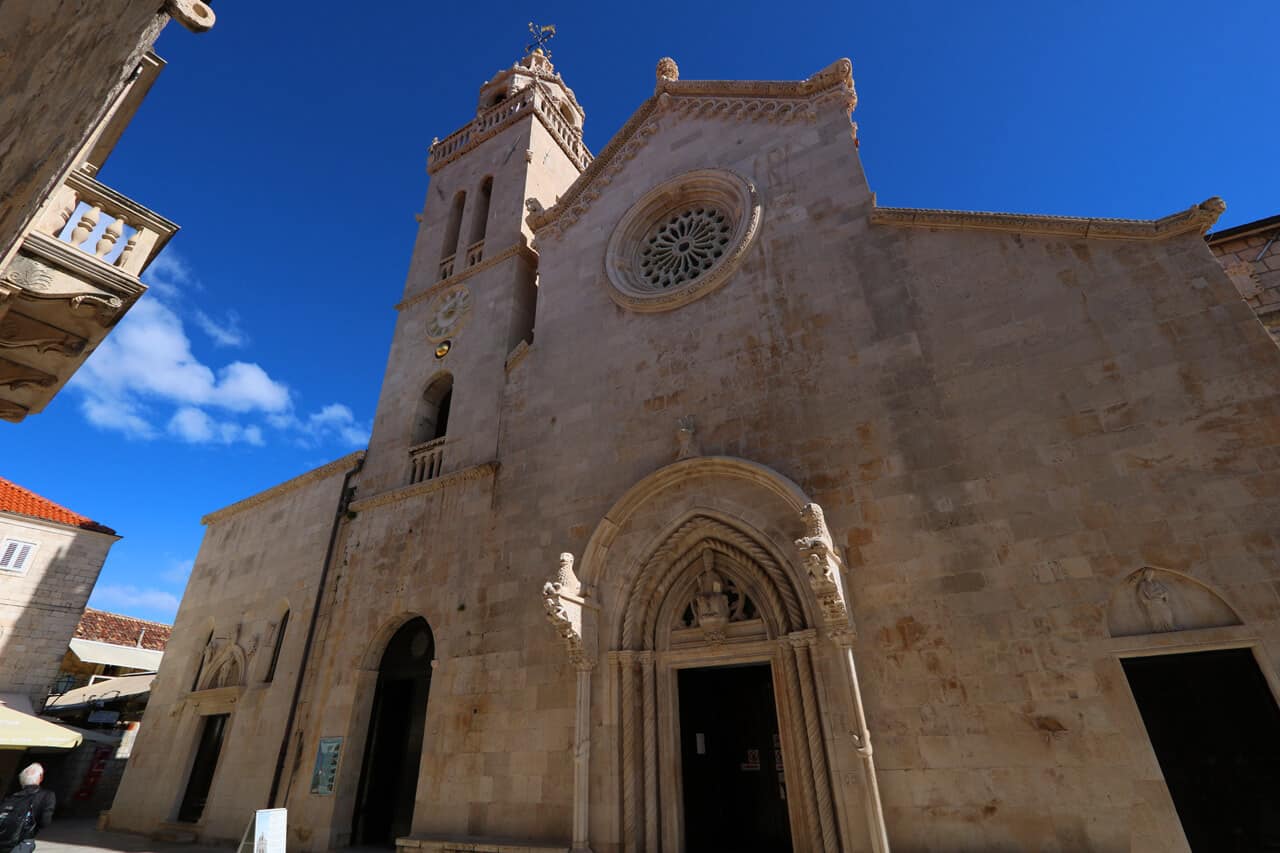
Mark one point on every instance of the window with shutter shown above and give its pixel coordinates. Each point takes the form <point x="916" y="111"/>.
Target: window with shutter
<point x="15" y="554"/>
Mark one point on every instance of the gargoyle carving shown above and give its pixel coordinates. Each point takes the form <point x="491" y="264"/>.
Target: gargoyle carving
<point x="562" y="601"/>
<point x="822" y="565"/>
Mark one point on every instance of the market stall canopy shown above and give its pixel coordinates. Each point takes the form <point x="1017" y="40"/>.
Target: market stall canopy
<point x="105" y="691"/>
<point x="21" y="729"/>
<point x="109" y="654"/>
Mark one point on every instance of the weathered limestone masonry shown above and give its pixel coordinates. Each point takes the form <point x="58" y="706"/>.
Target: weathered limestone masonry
<point x="66" y="64"/>
<point x="1250" y="254"/>
<point x="938" y="476"/>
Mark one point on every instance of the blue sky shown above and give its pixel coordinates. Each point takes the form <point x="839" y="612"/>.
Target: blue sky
<point x="291" y="148"/>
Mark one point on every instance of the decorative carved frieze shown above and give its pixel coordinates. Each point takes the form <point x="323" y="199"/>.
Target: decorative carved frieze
<point x="1197" y="219"/>
<point x="18" y="331"/>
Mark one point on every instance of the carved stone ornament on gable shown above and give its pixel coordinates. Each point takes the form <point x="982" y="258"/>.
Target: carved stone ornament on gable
<point x="822" y="569"/>
<point x="562" y="599"/>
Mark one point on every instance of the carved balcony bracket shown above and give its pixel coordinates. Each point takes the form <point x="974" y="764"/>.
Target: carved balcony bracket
<point x="15" y="376"/>
<point x="18" y="331"/>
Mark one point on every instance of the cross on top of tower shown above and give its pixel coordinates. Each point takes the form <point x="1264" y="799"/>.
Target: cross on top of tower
<point x="542" y="35"/>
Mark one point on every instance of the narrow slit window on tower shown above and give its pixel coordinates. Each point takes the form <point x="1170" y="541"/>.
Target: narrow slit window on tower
<point x="479" y="222"/>
<point x="279" y="644"/>
<point x="453" y="229"/>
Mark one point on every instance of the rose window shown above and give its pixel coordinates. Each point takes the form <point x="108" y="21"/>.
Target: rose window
<point x="681" y="240"/>
<point x="684" y="247"/>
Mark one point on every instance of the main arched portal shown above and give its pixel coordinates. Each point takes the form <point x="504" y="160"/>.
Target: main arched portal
<point x="721" y="744"/>
<point x="393" y="748"/>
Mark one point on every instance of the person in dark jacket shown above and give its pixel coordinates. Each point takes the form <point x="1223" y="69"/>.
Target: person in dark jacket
<point x="42" y="805"/>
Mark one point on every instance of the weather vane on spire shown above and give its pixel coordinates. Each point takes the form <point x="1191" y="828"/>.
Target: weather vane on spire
<point x="541" y="36"/>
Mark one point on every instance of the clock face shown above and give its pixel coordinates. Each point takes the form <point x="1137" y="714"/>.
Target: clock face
<point x="448" y="310"/>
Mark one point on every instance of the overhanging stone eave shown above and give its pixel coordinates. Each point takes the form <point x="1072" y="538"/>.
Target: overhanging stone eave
<point x="1195" y="219"/>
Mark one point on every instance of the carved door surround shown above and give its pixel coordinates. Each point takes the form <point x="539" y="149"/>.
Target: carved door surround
<point x="711" y="591"/>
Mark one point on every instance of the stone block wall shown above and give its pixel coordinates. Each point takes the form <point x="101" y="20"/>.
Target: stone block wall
<point x="1253" y="263"/>
<point x="40" y="608"/>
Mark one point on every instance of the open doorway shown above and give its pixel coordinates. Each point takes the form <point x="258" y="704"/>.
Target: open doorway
<point x="1215" y="728"/>
<point x="393" y="750"/>
<point x="209" y="748"/>
<point x="735" y="794"/>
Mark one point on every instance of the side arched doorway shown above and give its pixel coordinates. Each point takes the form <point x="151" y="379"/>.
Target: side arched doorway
<point x="393" y="748"/>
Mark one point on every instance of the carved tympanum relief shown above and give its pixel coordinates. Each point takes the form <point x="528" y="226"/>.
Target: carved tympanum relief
<point x="717" y="602"/>
<point x="682" y="240"/>
<point x="447" y="312"/>
<point x="1157" y="601"/>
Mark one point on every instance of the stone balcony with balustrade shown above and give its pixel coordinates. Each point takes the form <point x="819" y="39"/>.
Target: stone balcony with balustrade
<point x="535" y="100"/>
<point x="75" y="275"/>
<point x="426" y="460"/>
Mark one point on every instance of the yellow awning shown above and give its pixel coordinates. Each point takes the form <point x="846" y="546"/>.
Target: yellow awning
<point x="22" y="730"/>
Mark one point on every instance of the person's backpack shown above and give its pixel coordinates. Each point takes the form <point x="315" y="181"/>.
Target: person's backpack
<point x="17" y="819"/>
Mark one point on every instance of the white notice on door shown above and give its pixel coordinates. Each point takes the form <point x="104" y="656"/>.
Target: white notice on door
<point x="702" y="743"/>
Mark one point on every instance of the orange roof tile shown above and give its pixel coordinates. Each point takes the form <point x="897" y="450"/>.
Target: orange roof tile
<point x="104" y="627"/>
<point x="15" y="499"/>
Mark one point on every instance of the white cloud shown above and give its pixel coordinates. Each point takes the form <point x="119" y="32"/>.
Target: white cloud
<point x="332" y="422"/>
<point x="145" y="381"/>
<point x="178" y="571"/>
<point x="156" y="603"/>
<point x="169" y="276"/>
<point x="224" y="334"/>
<point x="194" y="426"/>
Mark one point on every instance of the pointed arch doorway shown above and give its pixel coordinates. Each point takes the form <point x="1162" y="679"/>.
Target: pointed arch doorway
<point x="393" y="748"/>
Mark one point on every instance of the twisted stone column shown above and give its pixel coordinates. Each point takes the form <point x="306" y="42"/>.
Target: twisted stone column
<point x="630" y="809"/>
<point x="650" y="755"/>
<point x="801" y="775"/>
<point x="803" y="643"/>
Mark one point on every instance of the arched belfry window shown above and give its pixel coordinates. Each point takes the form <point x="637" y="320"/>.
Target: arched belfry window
<point x="479" y="222"/>
<point x="426" y="453"/>
<point x="452" y="230"/>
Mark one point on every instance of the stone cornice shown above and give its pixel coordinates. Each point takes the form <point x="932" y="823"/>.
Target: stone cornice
<point x="475" y="472"/>
<point x="746" y="100"/>
<point x="338" y="466"/>
<point x="520" y="248"/>
<point x="1197" y="219"/>
<point x="489" y="123"/>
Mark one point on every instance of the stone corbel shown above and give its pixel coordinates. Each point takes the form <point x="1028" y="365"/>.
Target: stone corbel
<point x="18" y="331"/>
<point x="824" y="571"/>
<point x="14" y="375"/>
<point x="192" y="14"/>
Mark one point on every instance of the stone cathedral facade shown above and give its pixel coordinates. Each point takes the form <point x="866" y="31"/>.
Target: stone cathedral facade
<point x="712" y="506"/>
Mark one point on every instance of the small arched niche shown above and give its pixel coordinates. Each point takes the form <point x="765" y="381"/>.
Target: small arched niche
<point x="1158" y="601"/>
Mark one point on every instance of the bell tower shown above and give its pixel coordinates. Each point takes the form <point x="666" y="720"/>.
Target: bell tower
<point x="471" y="295"/>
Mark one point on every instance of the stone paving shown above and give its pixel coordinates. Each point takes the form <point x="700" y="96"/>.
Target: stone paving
<point x="77" y="836"/>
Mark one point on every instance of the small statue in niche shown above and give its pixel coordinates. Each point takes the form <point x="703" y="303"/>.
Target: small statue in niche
<point x="1153" y="595"/>
<point x="711" y="603"/>
<point x="686" y="439"/>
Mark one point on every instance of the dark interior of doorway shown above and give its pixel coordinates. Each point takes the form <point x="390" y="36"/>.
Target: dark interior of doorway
<point x="735" y="794"/>
<point x="206" y="761"/>
<point x="393" y="750"/>
<point x="1216" y="731"/>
